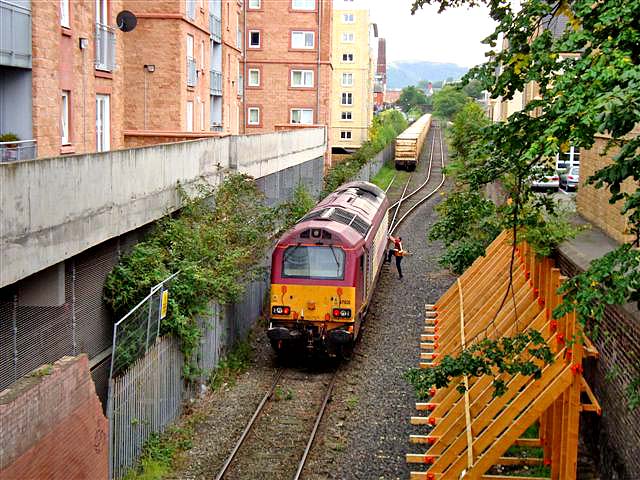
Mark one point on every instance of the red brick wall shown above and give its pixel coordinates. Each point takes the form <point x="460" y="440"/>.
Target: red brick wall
<point x="59" y="64"/>
<point x="53" y="426"/>
<point x="275" y="58"/>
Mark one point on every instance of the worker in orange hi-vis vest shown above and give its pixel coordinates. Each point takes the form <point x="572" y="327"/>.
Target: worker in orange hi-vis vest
<point x="398" y="252"/>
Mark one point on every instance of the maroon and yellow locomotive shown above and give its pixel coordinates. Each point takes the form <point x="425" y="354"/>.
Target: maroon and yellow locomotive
<point x="324" y="270"/>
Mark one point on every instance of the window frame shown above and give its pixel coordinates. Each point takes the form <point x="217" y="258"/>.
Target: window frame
<point x="249" y="7"/>
<point x="301" y="110"/>
<point x="304" y="38"/>
<point x="345" y="135"/>
<point x="303" y="8"/>
<point x="302" y="77"/>
<point x="347" y="55"/>
<point x="65" y="116"/>
<point x="342" y="82"/>
<point x="343" y="116"/>
<point x="348" y="37"/>
<point x="189" y="117"/>
<point x="249" y="122"/>
<point x="348" y="18"/>
<point x="65" y="13"/>
<point x="338" y="252"/>
<point x="249" y="71"/>
<point x="346" y="96"/>
<point x="249" y="44"/>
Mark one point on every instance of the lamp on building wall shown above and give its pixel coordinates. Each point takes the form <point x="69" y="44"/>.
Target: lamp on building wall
<point x="83" y="43"/>
<point x="150" y="68"/>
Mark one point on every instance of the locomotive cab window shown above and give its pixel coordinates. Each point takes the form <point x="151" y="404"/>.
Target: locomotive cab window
<point x="317" y="262"/>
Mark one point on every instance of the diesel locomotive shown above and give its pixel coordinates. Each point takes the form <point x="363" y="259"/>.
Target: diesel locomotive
<point x="324" y="269"/>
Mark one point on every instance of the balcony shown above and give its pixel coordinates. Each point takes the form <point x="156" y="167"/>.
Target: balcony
<point x="15" y="35"/>
<point x="105" y="48"/>
<point x="216" y="127"/>
<point x="215" y="28"/>
<point x="216" y="83"/>
<point x="18" y="150"/>
<point x="192" y="77"/>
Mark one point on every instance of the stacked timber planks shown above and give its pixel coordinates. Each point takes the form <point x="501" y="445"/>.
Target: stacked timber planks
<point x="409" y="143"/>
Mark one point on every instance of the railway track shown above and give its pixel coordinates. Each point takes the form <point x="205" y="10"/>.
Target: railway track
<point x="281" y="426"/>
<point x="408" y="202"/>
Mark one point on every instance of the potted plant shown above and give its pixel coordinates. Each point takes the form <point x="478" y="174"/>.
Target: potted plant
<point x="8" y="149"/>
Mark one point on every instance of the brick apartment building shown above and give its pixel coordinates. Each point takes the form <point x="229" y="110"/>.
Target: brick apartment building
<point x="60" y="90"/>
<point x="288" y="64"/>
<point x="71" y="82"/>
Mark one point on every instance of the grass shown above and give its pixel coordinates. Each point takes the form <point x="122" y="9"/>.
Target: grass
<point x="233" y="365"/>
<point x="352" y="402"/>
<point x="386" y="174"/>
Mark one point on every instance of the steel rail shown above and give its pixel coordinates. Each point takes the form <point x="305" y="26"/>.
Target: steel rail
<point x="247" y="429"/>
<point x="315" y="427"/>
<point x="430" y="194"/>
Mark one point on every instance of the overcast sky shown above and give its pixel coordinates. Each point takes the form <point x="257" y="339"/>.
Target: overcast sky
<point x="451" y="37"/>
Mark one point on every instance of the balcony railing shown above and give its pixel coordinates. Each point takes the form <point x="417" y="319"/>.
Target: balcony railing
<point x="216" y="127"/>
<point x="215" y="28"/>
<point x="191" y="9"/>
<point x="216" y="83"/>
<point x="192" y="78"/>
<point x="105" y="47"/>
<point x="15" y="35"/>
<point x="18" y="150"/>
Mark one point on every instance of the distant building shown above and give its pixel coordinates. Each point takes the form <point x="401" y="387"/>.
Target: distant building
<point x="353" y="60"/>
<point x="287" y="64"/>
<point x="392" y="95"/>
<point x="380" y="83"/>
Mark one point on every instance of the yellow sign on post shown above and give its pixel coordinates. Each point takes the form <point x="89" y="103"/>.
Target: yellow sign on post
<point x="165" y="304"/>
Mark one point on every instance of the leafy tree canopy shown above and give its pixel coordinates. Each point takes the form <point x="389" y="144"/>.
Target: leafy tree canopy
<point x="411" y="97"/>
<point x="449" y="101"/>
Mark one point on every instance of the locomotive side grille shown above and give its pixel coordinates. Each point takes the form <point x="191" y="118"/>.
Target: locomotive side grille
<point x="312" y="215"/>
<point x="351" y="219"/>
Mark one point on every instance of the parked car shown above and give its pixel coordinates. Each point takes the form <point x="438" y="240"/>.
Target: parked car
<point x="570" y="178"/>
<point x="544" y="178"/>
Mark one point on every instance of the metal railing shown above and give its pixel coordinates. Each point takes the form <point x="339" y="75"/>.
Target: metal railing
<point x="105" y="48"/>
<point x="18" y="150"/>
<point x="15" y="35"/>
<point x="192" y="77"/>
<point x="216" y="83"/>
<point x="216" y="127"/>
<point x="215" y="28"/>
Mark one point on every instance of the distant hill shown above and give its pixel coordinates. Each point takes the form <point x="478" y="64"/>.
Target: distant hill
<point x="403" y="74"/>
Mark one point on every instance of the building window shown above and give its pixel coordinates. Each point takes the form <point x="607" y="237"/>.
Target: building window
<point x="347" y="57"/>
<point x="103" y="123"/>
<point x="202" y="116"/>
<point x="345" y="135"/>
<point x="345" y="116"/>
<point x="347" y="79"/>
<point x="347" y="98"/>
<point x="191" y="9"/>
<point x="189" y="116"/>
<point x="303" y="116"/>
<point x="254" y="4"/>
<point x="303" y="40"/>
<point x="254" y="38"/>
<point x="253" y="117"/>
<point x="64" y="118"/>
<point x="254" y="77"/>
<point x="348" y="18"/>
<point x="302" y="78"/>
<point x="348" y="37"/>
<point x="64" y="13"/>
<point x="303" y="4"/>
<point x="239" y="39"/>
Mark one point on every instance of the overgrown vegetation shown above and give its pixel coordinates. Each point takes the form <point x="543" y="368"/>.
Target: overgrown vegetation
<point x="596" y="94"/>
<point x="232" y="365"/>
<point x="214" y="242"/>
<point x="385" y="127"/>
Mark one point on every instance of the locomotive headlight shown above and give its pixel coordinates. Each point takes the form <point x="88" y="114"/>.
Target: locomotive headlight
<point x="280" y="310"/>
<point x="342" y="312"/>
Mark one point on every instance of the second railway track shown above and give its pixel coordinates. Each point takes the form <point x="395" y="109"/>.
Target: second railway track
<point x="277" y="439"/>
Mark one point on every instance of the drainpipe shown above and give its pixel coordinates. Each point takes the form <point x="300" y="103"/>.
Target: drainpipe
<point x="244" y="68"/>
<point x="320" y="4"/>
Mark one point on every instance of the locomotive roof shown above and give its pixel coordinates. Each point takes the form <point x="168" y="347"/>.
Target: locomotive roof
<point x="351" y="209"/>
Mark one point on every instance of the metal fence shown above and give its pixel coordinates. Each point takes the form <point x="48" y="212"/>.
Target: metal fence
<point x="105" y="47"/>
<point x="18" y="150"/>
<point x="137" y="331"/>
<point x="145" y="397"/>
<point x="373" y="166"/>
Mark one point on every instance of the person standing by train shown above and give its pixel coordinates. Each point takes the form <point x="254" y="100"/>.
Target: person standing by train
<point x="396" y="251"/>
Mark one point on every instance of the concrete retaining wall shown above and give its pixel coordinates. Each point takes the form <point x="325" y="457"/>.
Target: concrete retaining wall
<point x="55" y="208"/>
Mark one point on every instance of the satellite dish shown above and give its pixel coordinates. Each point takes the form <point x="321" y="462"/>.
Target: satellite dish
<point x="126" y="21"/>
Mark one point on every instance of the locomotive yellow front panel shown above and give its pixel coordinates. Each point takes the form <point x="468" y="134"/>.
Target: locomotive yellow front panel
<point x="313" y="303"/>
